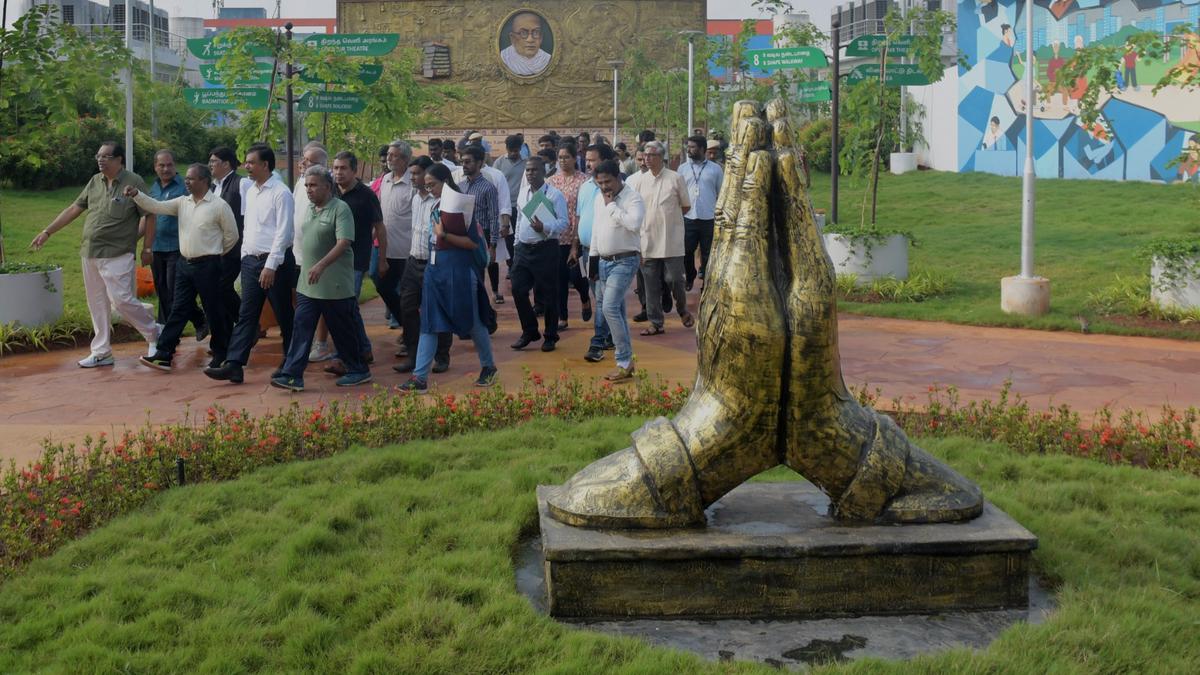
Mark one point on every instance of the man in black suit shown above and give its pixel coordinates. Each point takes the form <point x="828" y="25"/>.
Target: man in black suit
<point x="227" y="183"/>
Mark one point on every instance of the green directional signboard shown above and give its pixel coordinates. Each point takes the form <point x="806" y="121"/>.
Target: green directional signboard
<point x="869" y="45"/>
<point x="786" y="57"/>
<point x="332" y="102"/>
<point x="356" y="44"/>
<point x="206" y="48"/>
<point x="260" y="75"/>
<point x="813" y="92"/>
<point x="226" y="99"/>
<point x="898" y="74"/>
<point x="368" y="73"/>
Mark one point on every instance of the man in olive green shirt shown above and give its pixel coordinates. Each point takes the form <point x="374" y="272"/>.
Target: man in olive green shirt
<point x="110" y="234"/>
<point x="326" y="287"/>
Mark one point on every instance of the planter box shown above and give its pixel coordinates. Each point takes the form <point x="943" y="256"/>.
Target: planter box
<point x="903" y="162"/>
<point x="869" y="260"/>
<point x="1183" y="294"/>
<point x="31" y="298"/>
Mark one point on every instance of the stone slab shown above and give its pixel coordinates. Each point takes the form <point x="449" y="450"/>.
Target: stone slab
<point x="769" y="551"/>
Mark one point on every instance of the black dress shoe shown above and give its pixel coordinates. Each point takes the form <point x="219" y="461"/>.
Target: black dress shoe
<point x="202" y="333"/>
<point x="562" y="325"/>
<point x="539" y="310"/>
<point x="228" y="371"/>
<point x="549" y="345"/>
<point x="440" y="366"/>
<point x="523" y="341"/>
<point x="405" y="366"/>
<point x="640" y="317"/>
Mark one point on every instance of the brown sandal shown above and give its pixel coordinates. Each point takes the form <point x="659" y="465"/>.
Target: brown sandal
<point x="653" y="330"/>
<point x="688" y="320"/>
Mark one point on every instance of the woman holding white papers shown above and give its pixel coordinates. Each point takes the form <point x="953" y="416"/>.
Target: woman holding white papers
<point x="449" y="302"/>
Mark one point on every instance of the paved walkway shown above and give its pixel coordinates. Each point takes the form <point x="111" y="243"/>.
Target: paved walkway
<point x="47" y="395"/>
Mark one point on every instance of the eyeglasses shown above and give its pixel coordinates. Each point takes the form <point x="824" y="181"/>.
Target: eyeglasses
<point x="525" y="34"/>
<point x="103" y="158"/>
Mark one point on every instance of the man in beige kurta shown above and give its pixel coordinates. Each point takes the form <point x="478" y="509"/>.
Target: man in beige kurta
<point x="666" y="199"/>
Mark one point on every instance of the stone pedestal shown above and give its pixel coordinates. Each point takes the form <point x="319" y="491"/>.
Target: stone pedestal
<point x="769" y="551"/>
<point x="1026" y="297"/>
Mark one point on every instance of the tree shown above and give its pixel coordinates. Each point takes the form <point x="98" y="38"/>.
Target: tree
<point x="656" y="98"/>
<point x="395" y="105"/>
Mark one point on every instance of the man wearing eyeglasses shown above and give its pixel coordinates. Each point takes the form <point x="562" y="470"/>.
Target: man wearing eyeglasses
<point x="110" y="235"/>
<point x="525" y="56"/>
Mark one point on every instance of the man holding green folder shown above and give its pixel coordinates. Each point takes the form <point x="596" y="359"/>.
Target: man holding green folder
<point x="541" y="218"/>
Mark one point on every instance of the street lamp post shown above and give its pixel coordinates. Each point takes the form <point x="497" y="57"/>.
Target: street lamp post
<point x="129" y="87"/>
<point x="1027" y="294"/>
<point x="616" y="66"/>
<point x="691" y="36"/>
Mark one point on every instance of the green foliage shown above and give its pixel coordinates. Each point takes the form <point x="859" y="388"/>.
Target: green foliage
<point x="1130" y="296"/>
<point x="816" y="138"/>
<point x="396" y="105"/>
<point x="1178" y="259"/>
<point x="921" y="285"/>
<point x="656" y="98"/>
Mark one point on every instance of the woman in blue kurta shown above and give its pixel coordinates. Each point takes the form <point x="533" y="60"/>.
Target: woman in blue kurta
<point x="449" y="302"/>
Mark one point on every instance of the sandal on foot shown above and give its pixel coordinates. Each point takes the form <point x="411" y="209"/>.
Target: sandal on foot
<point x="653" y="330"/>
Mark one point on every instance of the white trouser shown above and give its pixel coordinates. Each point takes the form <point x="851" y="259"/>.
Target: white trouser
<point x="111" y="280"/>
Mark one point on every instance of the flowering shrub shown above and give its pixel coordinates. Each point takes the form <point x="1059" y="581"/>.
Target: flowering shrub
<point x="1132" y="437"/>
<point x="70" y="490"/>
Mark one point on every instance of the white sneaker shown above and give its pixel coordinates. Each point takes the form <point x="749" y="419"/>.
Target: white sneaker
<point x="152" y="345"/>
<point x="320" y="352"/>
<point x="94" y="361"/>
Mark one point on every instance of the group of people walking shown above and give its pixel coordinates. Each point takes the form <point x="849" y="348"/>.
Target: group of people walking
<point x="570" y="215"/>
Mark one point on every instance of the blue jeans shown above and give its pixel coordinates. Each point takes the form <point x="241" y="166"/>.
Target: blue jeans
<point x="602" y="336"/>
<point x="615" y="278"/>
<point x="427" y="346"/>
<point x="339" y="319"/>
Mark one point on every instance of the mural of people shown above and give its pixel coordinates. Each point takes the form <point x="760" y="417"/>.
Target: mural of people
<point x="1130" y="73"/>
<point x="1055" y="63"/>
<point x="992" y="139"/>
<point x="526" y="44"/>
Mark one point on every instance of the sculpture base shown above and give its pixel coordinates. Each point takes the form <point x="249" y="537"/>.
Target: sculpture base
<point x="769" y="551"/>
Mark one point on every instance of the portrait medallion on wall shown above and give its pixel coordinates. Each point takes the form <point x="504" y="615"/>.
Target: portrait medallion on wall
<point x="525" y="45"/>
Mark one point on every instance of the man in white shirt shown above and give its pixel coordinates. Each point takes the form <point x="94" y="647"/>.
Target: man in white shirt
<point x="207" y="231"/>
<point x="617" y="216"/>
<point x="227" y="184"/>
<point x="268" y="267"/>
<point x="535" y="262"/>
<point x="703" y="179"/>
<point x="666" y="199"/>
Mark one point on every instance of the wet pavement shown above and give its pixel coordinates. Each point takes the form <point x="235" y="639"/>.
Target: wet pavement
<point x="46" y="395"/>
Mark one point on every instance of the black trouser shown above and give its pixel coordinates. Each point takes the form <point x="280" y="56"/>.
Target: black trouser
<point x="641" y="293"/>
<point x="696" y="233"/>
<point x="341" y="317"/>
<point x="536" y="268"/>
<point x="388" y="285"/>
<point x="568" y="276"/>
<point x="231" y="267"/>
<point x="199" y="276"/>
<point x="163" y="268"/>
<point x="412" y="287"/>
<point x="245" y="333"/>
<point x="511" y="237"/>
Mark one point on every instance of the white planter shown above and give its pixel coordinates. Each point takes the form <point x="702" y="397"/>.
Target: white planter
<point x="31" y="298"/>
<point x="867" y="259"/>
<point x="903" y="162"/>
<point x="1183" y="294"/>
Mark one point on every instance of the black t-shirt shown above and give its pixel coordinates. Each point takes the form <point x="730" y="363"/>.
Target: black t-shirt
<point x="365" y="206"/>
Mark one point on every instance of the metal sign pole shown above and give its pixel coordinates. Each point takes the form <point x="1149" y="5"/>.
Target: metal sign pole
<point x="291" y="129"/>
<point x="835" y="83"/>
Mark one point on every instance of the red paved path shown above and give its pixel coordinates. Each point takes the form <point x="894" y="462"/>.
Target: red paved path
<point x="46" y="394"/>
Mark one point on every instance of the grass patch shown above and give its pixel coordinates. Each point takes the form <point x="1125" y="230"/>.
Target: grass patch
<point x="400" y="560"/>
<point x="969" y="228"/>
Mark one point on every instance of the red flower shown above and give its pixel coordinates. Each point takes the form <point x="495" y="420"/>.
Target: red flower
<point x="441" y="421"/>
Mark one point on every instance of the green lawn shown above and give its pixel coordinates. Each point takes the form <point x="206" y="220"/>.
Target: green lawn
<point x="401" y="560"/>
<point x="968" y="227"/>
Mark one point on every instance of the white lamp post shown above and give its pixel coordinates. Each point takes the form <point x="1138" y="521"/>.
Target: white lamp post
<point x="1027" y="294"/>
<point x="691" y="37"/>
<point x="616" y="65"/>
<point x="129" y="87"/>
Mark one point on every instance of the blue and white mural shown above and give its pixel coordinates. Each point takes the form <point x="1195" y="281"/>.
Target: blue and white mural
<point x="1144" y="132"/>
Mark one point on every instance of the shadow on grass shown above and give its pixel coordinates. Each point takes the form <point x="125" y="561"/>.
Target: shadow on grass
<point x="401" y="560"/>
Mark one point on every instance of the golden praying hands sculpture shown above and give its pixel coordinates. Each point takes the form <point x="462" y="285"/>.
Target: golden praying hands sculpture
<point x="769" y="386"/>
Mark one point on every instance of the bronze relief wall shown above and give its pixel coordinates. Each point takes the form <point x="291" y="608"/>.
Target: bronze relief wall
<point x="530" y="64"/>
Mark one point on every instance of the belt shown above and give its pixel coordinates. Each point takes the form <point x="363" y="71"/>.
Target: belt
<point x="540" y="243"/>
<point x="203" y="258"/>
<point x="257" y="256"/>
<point x="618" y="256"/>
